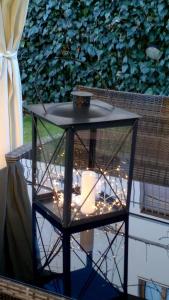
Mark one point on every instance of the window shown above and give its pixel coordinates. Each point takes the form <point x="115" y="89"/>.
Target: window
<point x="154" y="200"/>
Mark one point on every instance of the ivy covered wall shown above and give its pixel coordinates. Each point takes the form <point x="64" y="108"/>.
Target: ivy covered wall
<point x="120" y="44"/>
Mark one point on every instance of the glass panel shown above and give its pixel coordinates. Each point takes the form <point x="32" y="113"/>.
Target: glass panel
<point x="50" y="166"/>
<point x="101" y="170"/>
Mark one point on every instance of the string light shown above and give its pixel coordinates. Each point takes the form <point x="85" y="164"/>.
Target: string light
<point x="105" y="203"/>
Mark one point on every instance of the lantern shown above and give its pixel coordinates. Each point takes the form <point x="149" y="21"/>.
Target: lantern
<point x="81" y="180"/>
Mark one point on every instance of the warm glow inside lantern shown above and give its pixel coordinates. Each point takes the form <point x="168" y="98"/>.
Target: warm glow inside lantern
<point x="82" y="172"/>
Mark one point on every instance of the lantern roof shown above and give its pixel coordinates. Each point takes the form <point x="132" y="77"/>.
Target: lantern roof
<point x="99" y="114"/>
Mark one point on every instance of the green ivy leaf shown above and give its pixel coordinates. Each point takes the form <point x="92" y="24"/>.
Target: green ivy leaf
<point x="124" y="68"/>
<point x="108" y="38"/>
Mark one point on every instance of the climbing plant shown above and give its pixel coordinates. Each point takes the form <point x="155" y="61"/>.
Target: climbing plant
<point x="120" y="44"/>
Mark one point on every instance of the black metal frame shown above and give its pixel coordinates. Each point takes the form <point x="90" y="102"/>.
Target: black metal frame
<point x="68" y="227"/>
<point x="133" y="147"/>
<point x="65" y="236"/>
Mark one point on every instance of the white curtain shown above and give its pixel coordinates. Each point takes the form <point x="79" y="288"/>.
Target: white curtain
<point x="12" y="20"/>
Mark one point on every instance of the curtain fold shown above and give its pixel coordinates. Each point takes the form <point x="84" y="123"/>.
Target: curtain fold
<point x="12" y="20"/>
<point x="15" y="209"/>
<point x="3" y="192"/>
<point x="18" y="226"/>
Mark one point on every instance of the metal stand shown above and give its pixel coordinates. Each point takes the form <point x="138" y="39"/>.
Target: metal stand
<point x="126" y="232"/>
<point x="128" y="201"/>
<point x="67" y="207"/>
<point x="92" y="148"/>
<point x="34" y="147"/>
<point x="66" y="264"/>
